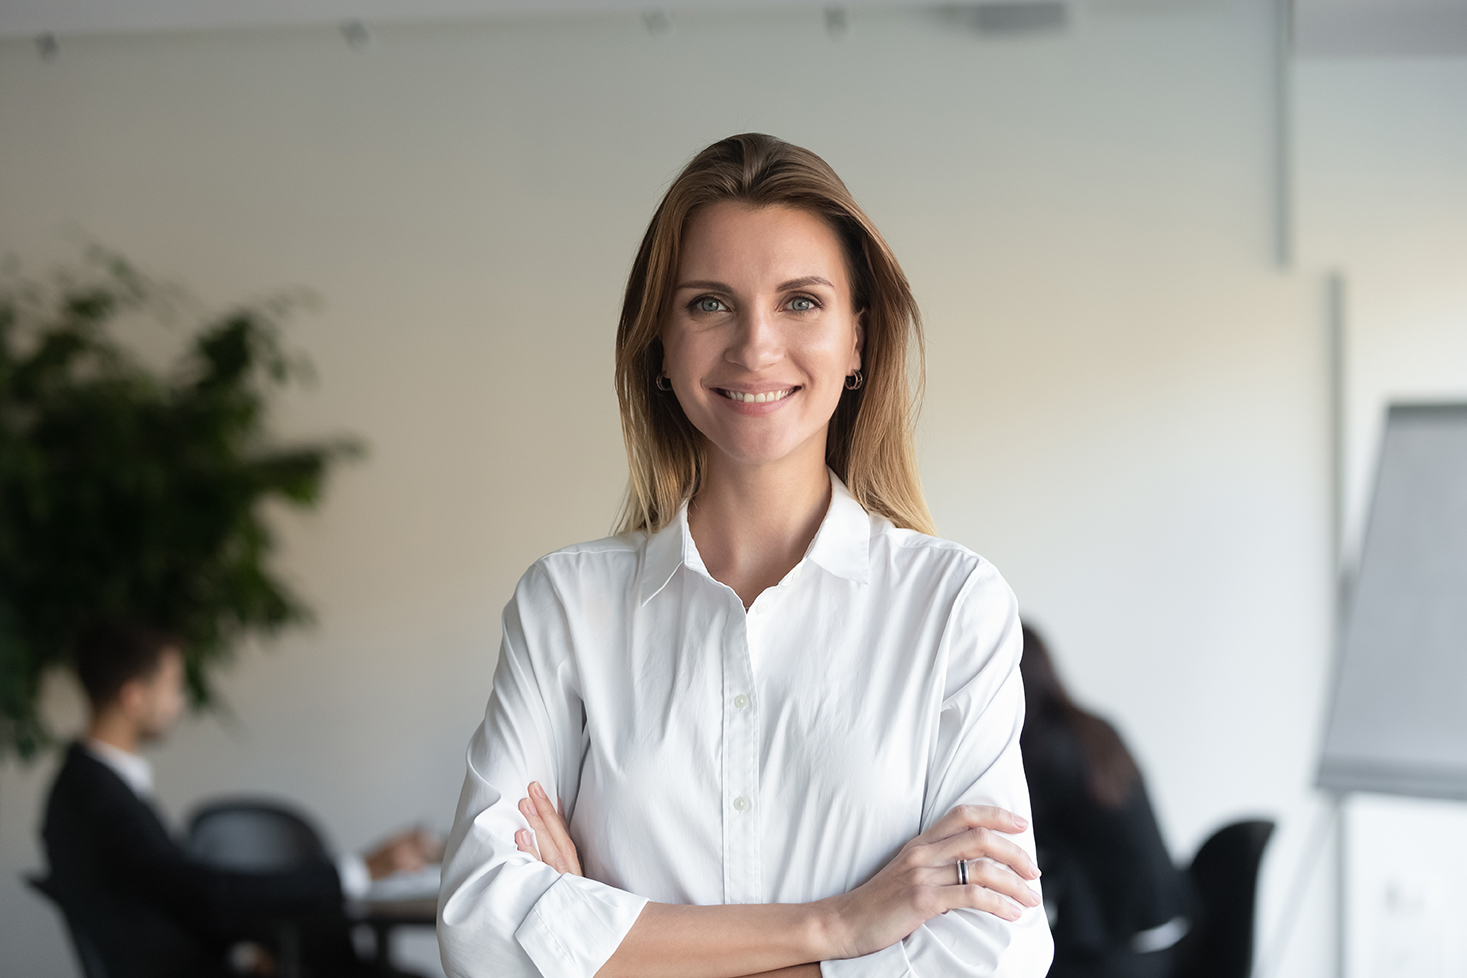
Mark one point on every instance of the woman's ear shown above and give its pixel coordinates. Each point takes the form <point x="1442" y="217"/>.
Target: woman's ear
<point x="860" y="340"/>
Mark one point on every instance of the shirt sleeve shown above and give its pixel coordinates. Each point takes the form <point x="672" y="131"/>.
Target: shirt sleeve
<point x="975" y="761"/>
<point x="502" y="912"/>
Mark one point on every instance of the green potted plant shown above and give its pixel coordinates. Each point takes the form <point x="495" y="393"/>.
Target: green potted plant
<point x="128" y="491"/>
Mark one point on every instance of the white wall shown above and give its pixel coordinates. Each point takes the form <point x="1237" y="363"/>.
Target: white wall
<point x="1126" y="402"/>
<point x="1383" y="176"/>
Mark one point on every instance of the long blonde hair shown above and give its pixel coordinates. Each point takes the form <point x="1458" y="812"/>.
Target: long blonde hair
<point x="870" y="439"/>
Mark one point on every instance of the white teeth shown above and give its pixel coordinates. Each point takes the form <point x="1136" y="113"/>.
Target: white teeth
<point x="758" y="398"/>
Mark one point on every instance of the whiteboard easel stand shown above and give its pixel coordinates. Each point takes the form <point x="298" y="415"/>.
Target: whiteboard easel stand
<point x="1331" y="820"/>
<point x="1336" y="323"/>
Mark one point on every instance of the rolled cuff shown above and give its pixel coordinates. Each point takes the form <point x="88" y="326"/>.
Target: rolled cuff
<point x="889" y="962"/>
<point x="576" y="925"/>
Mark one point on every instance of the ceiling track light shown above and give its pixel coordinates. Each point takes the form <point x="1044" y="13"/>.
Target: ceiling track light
<point x="1013" y="18"/>
<point x="837" y="21"/>
<point x="357" y="35"/>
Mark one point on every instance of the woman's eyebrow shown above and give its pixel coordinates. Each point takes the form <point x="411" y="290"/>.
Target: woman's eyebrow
<point x="794" y="283"/>
<point x="805" y="283"/>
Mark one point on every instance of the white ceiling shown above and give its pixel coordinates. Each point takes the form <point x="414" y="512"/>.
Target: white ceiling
<point x="1322" y="27"/>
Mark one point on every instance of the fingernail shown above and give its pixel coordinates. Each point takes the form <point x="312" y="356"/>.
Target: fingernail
<point x="1015" y="911"/>
<point x="535" y="787"/>
<point x="1021" y="822"/>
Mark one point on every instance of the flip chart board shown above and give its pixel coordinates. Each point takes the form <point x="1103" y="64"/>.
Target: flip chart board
<point x="1398" y="723"/>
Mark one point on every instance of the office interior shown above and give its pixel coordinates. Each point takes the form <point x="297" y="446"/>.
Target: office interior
<point x="1174" y="258"/>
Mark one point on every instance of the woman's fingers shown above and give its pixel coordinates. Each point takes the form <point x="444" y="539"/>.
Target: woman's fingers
<point x="545" y="839"/>
<point x="524" y="841"/>
<point x="966" y="817"/>
<point x="978" y="843"/>
<point x="991" y="876"/>
<point x="555" y="823"/>
<point x="980" y="898"/>
<point x="551" y="835"/>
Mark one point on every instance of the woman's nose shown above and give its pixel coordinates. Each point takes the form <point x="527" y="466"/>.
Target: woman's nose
<point x="756" y="343"/>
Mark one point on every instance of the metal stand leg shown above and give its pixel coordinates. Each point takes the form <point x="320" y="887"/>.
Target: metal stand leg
<point x="1342" y="896"/>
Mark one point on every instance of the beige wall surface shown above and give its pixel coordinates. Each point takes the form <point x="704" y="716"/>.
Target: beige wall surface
<point x="1126" y="402"/>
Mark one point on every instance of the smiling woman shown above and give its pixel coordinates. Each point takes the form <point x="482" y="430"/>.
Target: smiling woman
<point x="782" y="718"/>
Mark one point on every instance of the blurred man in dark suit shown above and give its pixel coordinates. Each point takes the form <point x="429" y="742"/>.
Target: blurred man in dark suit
<point x="152" y="910"/>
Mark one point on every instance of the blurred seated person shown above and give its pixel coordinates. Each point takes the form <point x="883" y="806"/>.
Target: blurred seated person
<point x="1117" y="903"/>
<point x="154" y="912"/>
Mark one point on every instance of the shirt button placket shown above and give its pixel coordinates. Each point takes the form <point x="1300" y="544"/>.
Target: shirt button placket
<point x="741" y="767"/>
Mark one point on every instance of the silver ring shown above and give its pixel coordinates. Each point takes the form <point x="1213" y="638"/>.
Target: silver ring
<point x="962" y="872"/>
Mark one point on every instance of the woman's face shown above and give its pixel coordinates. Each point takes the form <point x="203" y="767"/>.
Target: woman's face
<point x="761" y="334"/>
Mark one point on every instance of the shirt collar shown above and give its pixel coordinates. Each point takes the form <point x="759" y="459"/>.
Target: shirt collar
<point x="135" y="771"/>
<point x="841" y="545"/>
<point x="667" y="550"/>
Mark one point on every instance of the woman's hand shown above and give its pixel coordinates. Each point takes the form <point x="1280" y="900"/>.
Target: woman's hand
<point x="548" y="837"/>
<point x="921" y="881"/>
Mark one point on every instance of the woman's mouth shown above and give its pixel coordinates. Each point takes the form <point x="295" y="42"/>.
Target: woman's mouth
<point x="748" y="397"/>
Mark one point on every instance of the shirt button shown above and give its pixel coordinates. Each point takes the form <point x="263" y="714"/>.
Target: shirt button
<point x="740" y="803"/>
<point x="741" y="701"/>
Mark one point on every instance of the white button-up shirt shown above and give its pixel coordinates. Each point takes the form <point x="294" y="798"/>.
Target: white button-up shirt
<point x="710" y="756"/>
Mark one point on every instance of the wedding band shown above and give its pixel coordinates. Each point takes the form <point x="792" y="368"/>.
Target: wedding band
<point x="962" y="872"/>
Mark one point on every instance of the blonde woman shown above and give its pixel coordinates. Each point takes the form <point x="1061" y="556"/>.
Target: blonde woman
<point x="783" y="716"/>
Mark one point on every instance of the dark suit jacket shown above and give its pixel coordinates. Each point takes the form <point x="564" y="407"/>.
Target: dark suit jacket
<point x="152" y="911"/>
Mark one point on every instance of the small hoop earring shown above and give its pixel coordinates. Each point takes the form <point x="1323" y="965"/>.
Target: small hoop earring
<point x="662" y="379"/>
<point x="854" y="380"/>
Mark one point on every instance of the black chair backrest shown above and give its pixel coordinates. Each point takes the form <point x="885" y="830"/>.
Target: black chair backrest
<point x="1224" y="878"/>
<point x="253" y="836"/>
<point x="92" y="963"/>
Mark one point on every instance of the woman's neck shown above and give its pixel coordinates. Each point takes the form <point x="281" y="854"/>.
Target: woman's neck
<point x="753" y="524"/>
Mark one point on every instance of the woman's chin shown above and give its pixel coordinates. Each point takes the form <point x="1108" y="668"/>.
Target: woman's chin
<point x="769" y="452"/>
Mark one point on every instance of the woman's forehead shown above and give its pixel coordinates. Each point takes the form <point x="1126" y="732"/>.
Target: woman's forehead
<point x="771" y="244"/>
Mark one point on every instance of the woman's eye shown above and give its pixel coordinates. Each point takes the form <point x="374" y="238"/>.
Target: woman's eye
<point x="708" y="304"/>
<point x="801" y="303"/>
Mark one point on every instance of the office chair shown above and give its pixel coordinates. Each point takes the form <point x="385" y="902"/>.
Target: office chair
<point x="1224" y="878"/>
<point x="87" y="950"/>
<point x="255" y="836"/>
